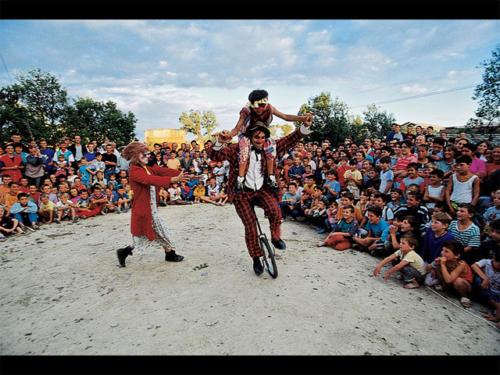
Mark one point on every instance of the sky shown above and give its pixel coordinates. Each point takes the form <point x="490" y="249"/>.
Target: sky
<point x="417" y="70"/>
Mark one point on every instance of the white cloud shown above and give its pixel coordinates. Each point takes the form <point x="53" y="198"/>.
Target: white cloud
<point x="414" y="89"/>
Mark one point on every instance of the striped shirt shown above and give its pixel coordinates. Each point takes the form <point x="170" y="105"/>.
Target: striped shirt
<point x="468" y="237"/>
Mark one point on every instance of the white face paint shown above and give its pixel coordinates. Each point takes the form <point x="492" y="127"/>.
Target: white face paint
<point x="144" y="158"/>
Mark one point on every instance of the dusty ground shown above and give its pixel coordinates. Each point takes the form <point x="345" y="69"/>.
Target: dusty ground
<point x="63" y="293"/>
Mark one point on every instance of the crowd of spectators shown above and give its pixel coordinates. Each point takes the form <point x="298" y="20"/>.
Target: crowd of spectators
<point x="424" y="203"/>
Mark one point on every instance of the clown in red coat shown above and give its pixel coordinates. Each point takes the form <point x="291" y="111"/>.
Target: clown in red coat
<point x="255" y="190"/>
<point x="146" y="225"/>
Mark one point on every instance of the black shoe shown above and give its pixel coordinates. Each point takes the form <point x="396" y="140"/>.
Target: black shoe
<point x="257" y="266"/>
<point x="122" y="255"/>
<point x="239" y="187"/>
<point x="280" y="244"/>
<point x="171" y="256"/>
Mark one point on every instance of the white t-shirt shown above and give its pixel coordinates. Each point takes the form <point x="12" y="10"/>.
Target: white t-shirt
<point x="413" y="259"/>
<point x="486" y="266"/>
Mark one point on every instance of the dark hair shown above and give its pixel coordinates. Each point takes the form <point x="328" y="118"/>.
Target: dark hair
<point x="456" y="247"/>
<point x="292" y="183"/>
<point x="469" y="207"/>
<point x="463" y="159"/>
<point x="439" y="141"/>
<point x="257" y="95"/>
<point x="348" y="195"/>
<point x="471" y="146"/>
<point x="437" y="172"/>
<point x="416" y="194"/>
<point x="495" y="224"/>
<point x="385" y="160"/>
<point x="13" y="182"/>
<point x="349" y="207"/>
<point x="407" y="142"/>
<point x="413" y="165"/>
<point x="21" y="195"/>
<point x="353" y="162"/>
<point x="377" y="211"/>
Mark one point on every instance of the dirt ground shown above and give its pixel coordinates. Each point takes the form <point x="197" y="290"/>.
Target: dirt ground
<point x="64" y="294"/>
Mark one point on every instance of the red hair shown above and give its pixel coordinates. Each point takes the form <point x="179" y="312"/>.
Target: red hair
<point x="133" y="151"/>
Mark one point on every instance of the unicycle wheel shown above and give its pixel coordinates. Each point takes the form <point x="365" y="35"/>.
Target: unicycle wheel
<point x="269" y="260"/>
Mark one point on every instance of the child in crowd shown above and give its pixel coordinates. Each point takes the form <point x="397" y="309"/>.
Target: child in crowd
<point x="331" y="213"/>
<point x="34" y="194"/>
<point x="62" y="166"/>
<point x="47" y="209"/>
<point x="83" y="172"/>
<point x="96" y="166"/>
<point x="47" y="189"/>
<point x="24" y="185"/>
<point x="435" y="190"/>
<point x="98" y="199"/>
<point x="362" y="204"/>
<point x="199" y="191"/>
<point x="342" y="233"/>
<point x="164" y="196"/>
<point x="65" y="209"/>
<point x="486" y="284"/>
<point x="129" y="192"/>
<point x="121" y="200"/>
<point x="353" y="179"/>
<point x="9" y="224"/>
<point x="289" y="202"/>
<point x="317" y="214"/>
<point x="78" y="185"/>
<point x="347" y="199"/>
<point x="110" y="206"/>
<point x="493" y="213"/>
<point x="413" y="207"/>
<point x="100" y="180"/>
<point x="386" y="175"/>
<point x="406" y="261"/>
<point x="466" y="232"/>
<point x="452" y="272"/>
<point x="25" y="211"/>
<point x="70" y="177"/>
<point x="10" y="197"/>
<point x="463" y="186"/>
<point x="377" y="231"/>
<point x="175" y="194"/>
<point x="331" y="185"/>
<point x="435" y="236"/>
<point x="395" y="201"/>
<point x="84" y="206"/>
<point x="112" y="181"/>
<point x="186" y="192"/>
<point x="402" y="225"/>
<point x="413" y="177"/>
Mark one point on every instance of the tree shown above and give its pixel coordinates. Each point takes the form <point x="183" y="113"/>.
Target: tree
<point x="201" y="124"/>
<point x="280" y="130"/>
<point x="358" y="131"/>
<point x="488" y="94"/>
<point x="330" y="118"/>
<point x="377" y="123"/>
<point x="94" y="120"/>
<point x="33" y="106"/>
<point x="38" y="107"/>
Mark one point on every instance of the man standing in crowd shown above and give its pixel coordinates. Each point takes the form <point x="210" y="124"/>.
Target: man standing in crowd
<point x="110" y="160"/>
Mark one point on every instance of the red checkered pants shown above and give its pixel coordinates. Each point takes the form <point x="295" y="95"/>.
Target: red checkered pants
<point x="268" y="201"/>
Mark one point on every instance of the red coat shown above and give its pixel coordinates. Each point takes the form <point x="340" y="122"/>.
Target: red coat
<point x="140" y="182"/>
<point x="15" y="174"/>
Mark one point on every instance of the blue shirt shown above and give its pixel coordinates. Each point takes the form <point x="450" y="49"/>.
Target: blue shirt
<point x="378" y="230"/>
<point x="432" y="246"/>
<point x="492" y="211"/>
<point x="334" y="185"/>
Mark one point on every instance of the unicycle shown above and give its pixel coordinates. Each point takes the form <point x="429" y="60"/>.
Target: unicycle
<point x="269" y="260"/>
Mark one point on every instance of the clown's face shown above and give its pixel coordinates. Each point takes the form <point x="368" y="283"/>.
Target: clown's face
<point x="144" y="157"/>
<point x="258" y="139"/>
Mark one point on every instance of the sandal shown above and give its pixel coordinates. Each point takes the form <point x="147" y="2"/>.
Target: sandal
<point x="465" y="302"/>
<point x="411" y="286"/>
<point x="2" y="238"/>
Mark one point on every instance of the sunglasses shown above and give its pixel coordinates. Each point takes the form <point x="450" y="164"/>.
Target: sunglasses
<point x="262" y="105"/>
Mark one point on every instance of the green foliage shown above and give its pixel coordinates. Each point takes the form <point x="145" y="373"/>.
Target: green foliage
<point x="99" y="120"/>
<point x="377" y="123"/>
<point x="37" y="107"/>
<point x="201" y="124"/>
<point x="330" y="118"/>
<point x="488" y="94"/>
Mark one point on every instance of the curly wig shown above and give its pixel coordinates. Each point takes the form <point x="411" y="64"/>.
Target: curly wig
<point x="133" y="151"/>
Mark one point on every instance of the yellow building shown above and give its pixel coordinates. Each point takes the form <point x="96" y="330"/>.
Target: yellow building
<point x="170" y="136"/>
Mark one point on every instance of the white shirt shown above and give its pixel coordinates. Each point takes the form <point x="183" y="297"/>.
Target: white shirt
<point x="254" y="178"/>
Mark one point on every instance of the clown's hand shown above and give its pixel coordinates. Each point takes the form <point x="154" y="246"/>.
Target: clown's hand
<point x="180" y="178"/>
<point x="224" y="136"/>
<point x="308" y="121"/>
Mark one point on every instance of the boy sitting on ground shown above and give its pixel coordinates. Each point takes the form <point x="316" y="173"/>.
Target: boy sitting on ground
<point x="47" y="210"/>
<point x="25" y="211"/>
<point x="406" y="261"/>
